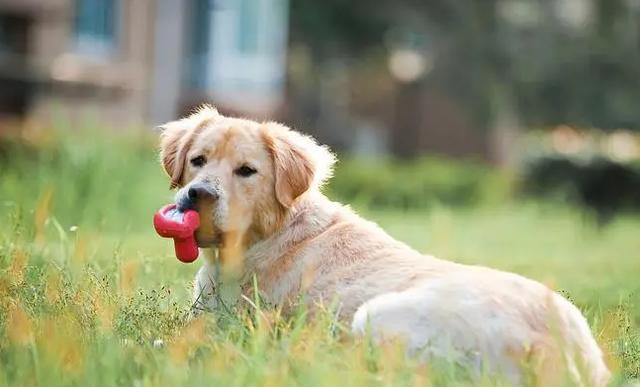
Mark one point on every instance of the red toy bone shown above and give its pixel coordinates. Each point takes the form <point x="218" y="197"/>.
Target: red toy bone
<point x="171" y="223"/>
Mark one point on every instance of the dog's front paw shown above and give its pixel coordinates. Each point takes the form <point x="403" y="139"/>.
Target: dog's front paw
<point x="204" y="300"/>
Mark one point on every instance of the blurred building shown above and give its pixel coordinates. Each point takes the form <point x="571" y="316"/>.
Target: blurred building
<point x="128" y="62"/>
<point x="460" y="78"/>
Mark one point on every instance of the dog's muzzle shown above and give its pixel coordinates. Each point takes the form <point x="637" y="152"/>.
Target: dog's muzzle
<point x="203" y="197"/>
<point x="189" y="197"/>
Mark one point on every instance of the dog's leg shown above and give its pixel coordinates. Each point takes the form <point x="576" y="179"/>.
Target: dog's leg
<point x="205" y="286"/>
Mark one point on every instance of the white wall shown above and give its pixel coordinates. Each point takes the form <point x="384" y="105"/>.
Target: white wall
<point x="249" y="80"/>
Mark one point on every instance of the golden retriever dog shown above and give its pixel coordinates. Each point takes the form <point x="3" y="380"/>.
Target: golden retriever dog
<point x="257" y="189"/>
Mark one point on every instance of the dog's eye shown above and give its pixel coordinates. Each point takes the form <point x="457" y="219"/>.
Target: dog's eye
<point x="198" y="161"/>
<point x="245" y="171"/>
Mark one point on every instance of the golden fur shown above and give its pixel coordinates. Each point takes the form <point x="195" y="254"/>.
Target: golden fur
<point x="277" y="225"/>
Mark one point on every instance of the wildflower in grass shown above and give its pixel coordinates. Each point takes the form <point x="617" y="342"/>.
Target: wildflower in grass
<point x="421" y="375"/>
<point x="359" y="359"/>
<point x="79" y="256"/>
<point x="4" y="293"/>
<point x="18" y="266"/>
<point x="187" y="341"/>
<point x="612" y="329"/>
<point x="276" y="377"/>
<point x="128" y="273"/>
<point x="41" y="215"/>
<point x="19" y="325"/>
<point x="53" y="287"/>
<point x="392" y="358"/>
<point x="60" y="339"/>
<point x="104" y="311"/>
<point x="224" y="353"/>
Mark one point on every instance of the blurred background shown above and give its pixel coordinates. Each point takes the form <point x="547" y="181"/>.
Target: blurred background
<point x="546" y="90"/>
<point x="503" y="133"/>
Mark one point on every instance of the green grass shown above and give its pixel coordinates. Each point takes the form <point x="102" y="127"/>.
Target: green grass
<point x="86" y="286"/>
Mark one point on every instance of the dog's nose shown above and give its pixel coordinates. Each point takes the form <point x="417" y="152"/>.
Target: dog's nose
<point x="188" y="197"/>
<point x="193" y="193"/>
<point x="200" y="191"/>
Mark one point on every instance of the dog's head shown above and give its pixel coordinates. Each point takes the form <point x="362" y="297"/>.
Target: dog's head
<point x="241" y="176"/>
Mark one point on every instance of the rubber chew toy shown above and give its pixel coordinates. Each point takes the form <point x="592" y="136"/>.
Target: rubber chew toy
<point x="171" y="223"/>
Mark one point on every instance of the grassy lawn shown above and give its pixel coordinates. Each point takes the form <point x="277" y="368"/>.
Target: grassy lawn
<point x="86" y="286"/>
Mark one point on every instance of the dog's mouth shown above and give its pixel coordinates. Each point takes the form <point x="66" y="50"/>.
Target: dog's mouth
<point x="208" y="234"/>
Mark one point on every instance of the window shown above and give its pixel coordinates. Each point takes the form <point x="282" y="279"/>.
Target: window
<point x="96" y="27"/>
<point x="200" y="31"/>
<point x="4" y="37"/>
<point x="248" y="26"/>
<point x="13" y="34"/>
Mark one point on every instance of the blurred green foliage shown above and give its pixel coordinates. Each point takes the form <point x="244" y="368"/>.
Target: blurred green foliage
<point x="105" y="181"/>
<point x="573" y="62"/>
<point x="112" y="181"/>
<point x="420" y="183"/>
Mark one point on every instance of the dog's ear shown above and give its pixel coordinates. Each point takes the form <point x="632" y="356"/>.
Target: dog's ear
<point x="171" y="149"/>
<point x="176" y="138"/>
<point x="299" y="162"/>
